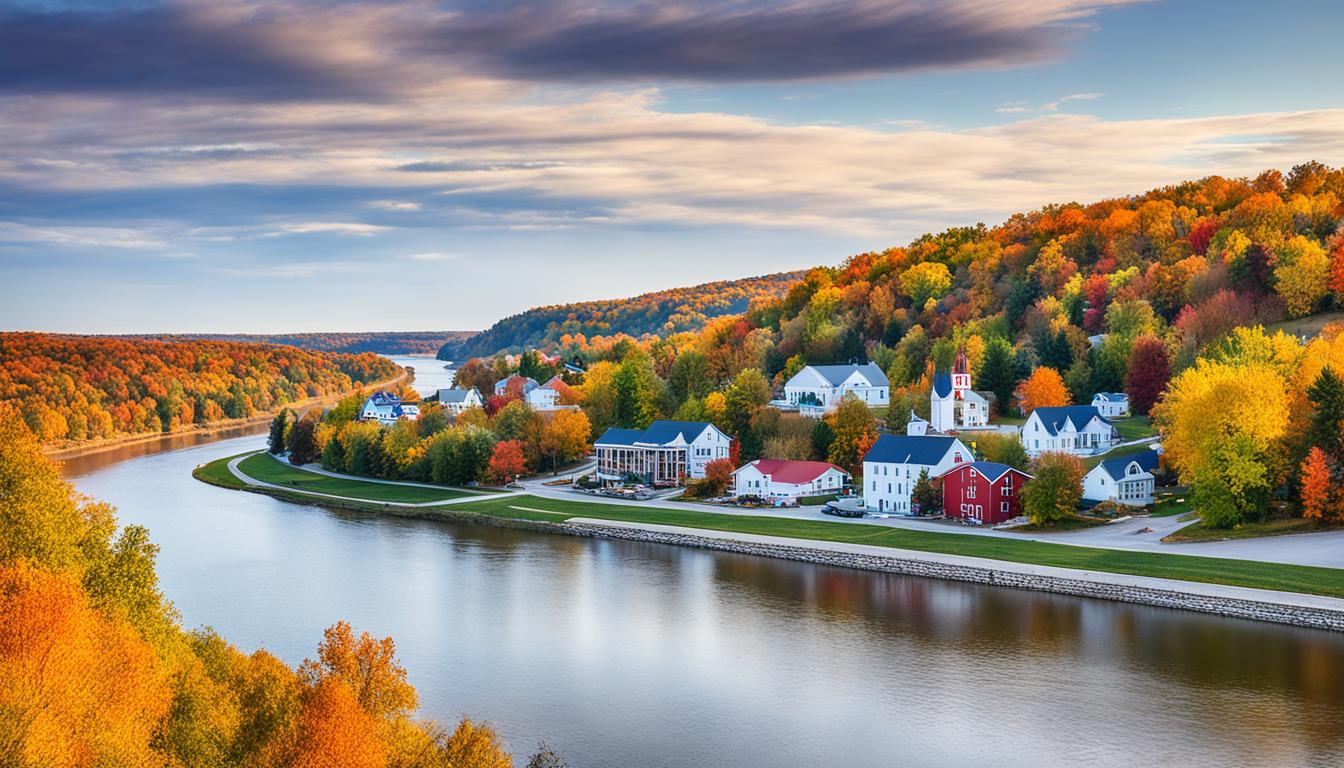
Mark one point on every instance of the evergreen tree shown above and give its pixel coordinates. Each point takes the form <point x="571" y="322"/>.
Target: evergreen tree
<point x="822" y="437"/>
<point x="997" y="374"/>
<point x="276" y="441"/>
<point x="636" y="388"/>
<point x="926" y="495"/>
<point x="303" y="439"/>
<point x="333" y="455"/>
<point x="1326" y="395"/>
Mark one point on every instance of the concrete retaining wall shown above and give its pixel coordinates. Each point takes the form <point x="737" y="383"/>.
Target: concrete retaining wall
<point x="1300" y="616"/>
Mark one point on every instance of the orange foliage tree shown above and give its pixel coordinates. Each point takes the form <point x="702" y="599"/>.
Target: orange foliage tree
<point x="1044" y="388"/>
<point x="1316" y="486"/>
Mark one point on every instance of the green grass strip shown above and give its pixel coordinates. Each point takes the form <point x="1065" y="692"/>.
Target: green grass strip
<point x="1212" y="570"/>
<point x="268" y="469"/>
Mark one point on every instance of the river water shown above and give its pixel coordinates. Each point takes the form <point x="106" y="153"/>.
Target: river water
<point x="623" y="654"/>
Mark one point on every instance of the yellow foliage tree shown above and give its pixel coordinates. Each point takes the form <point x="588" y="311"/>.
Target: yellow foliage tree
<point x="1301" y="277"/>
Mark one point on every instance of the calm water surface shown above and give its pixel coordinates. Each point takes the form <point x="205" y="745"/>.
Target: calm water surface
<point x="622" y="654"/>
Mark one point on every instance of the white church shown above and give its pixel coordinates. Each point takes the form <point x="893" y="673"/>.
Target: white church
<point x="953" y="404"/>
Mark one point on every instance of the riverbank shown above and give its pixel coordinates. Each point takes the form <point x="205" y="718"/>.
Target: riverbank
<point x="60" y="452"/>
<point x="1290" y="594"/>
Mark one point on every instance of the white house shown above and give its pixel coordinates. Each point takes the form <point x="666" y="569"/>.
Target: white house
<point x="546" y="397"/>
<point x="1077" y="429"/>
<point x="817" y="389"/>
<point x="1125" y="479"/>
<point x="666" y="453"/>
<point x="953" y="404"/>
<point x="916" y="426"/>
<point x="528" y="384"/>
<point x="1111" y="404"/>
<point x="385" y="408"/>
<point x="455" y="401"/>
<point x="893" y="465"/>
<point x="784" y="480"/>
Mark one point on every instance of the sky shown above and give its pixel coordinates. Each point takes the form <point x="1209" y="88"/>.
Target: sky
<point x="293" y="165"/>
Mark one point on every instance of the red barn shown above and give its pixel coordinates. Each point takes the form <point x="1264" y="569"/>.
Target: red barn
<point x="983" y="492"/>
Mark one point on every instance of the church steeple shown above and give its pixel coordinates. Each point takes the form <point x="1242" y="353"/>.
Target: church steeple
<point x="961" y="372"/>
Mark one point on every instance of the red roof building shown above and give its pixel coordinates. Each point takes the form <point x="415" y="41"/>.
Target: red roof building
<point x="783" y="479"/>
<point x="983" y="492"/>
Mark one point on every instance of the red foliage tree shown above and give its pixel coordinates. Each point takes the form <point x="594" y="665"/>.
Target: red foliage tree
<point x="507" y="462"/>
<point x="1147" y="374"/>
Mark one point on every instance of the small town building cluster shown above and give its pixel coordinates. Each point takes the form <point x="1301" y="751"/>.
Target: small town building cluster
<point x="455" y="401"/>
<point x="542" y="397"/>
<point x="953" y="405"/>
<point x="895" y="463"/>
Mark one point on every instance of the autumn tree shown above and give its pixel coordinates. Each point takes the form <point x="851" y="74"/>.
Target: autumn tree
<point x="854" y="431"/>
<point x="335" y="731"/>
<point x="1147" y="373"/>
<point x="1002" y="449"/>
<point x="718" y="474"/>
<point x="1316" y="486"/>
<point x="925" y="282"/>
<point x="474" y="745"/>
<point x="1223" y="424"/>
<point x="1301" y="275"/>
<point x="276" y="439"/>
<point x="565" y="437"/>
<point x="1055" y="491"/>
<point x="507" y="461"/>
<point x="1044" y="388"/>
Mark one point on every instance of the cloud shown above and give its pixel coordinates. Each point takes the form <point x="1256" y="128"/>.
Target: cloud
<point x="78" y="237"/>
<point x="393" y="205"/>
<point x="434" y="256"/>
<point x="1018" y="107"/>
<point x="294" y="50"/>
<point x="324" y="227"/>
<point x="757" y="41"/>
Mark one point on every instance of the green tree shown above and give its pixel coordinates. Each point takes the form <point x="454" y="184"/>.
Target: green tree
<point x="688" y="378"/>
<point x="927" y="494"/>
<point x="636" y="387"/>
<point x="277" y="439"/>
<point x="1056" y="490"/>
<point x="925" y="281"/>
<point x="898" y="413"/>
<point x="303" y="439"/>
<point x="1326" y="395"/>
<point x="822" y="437"/>
<point x="997" y="374"/>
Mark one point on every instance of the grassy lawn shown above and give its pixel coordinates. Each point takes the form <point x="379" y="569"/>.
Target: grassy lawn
<point x="217" y="472"/>
<point x="816" y="501"/>
<point x="1071" y="523"/>
<point x="1307" y="326"/>
<point x="1172" y="504"/>
<point x="1292" y="578"/>
<point x="1134" y="428"/>
<point x="1276" y="527"/>
<point x="1015" y="421"/>
<point x="268" y="469"/>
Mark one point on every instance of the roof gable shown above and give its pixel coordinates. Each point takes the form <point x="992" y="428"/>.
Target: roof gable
<point x="912" y="449"/>
<point x="790" y="471"/>
<point x="1079" y="416"/>
<point x="990" y="470"/>
<point x="1118" y="466"/>
<point x="837" y="375"/>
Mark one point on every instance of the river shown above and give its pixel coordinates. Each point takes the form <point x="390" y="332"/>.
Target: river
<point x="624" y="655"/>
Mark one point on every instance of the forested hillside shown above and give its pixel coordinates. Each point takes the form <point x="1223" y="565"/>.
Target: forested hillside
<point x="661" y="313"/>
<point x="382" y="342"/>
<point x="1159" y="295"/>
<point x="88" y="387"/>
